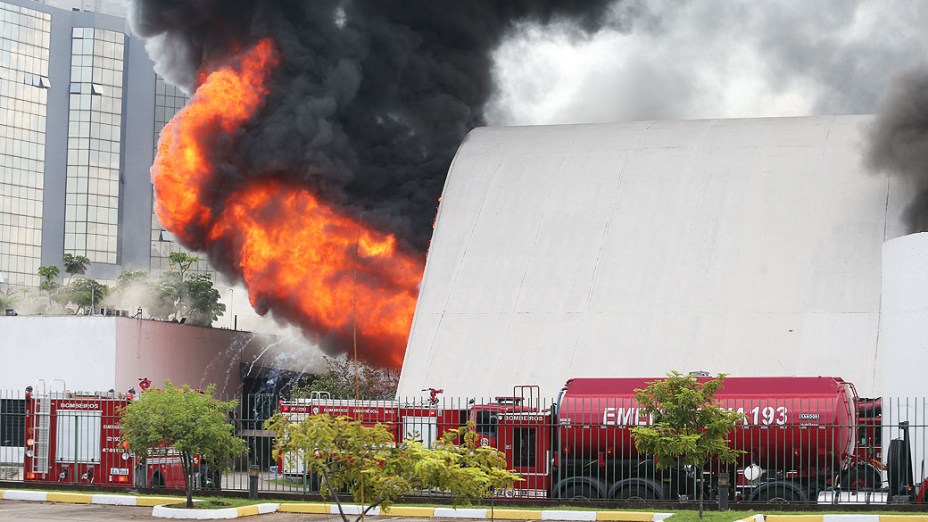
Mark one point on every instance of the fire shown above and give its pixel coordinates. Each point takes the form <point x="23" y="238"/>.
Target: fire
<point x="301" y="258"/>
<point x="183" y="169"/>
<point x="324" y="270"/>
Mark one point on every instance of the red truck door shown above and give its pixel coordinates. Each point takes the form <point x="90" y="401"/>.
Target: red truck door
<point x="525" y="439"/>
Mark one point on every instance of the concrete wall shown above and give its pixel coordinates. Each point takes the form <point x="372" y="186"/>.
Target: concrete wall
<point x="79" y="350"/>
<point x="137" y="156"/>
<point x="180" y="353"/>
<point x="96" y="353"/>
<point x="903" y="346"/>
<point x="750" y="247"/>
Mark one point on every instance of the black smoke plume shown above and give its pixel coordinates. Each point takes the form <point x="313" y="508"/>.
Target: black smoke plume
<point x="899" y="140"/>
<point x="372" y="97"/>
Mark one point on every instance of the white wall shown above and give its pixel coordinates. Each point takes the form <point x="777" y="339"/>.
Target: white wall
<point x="95" y="353"/>
<point x="903" y="347"/>
<point x="80" y="350"/>
<point x="750" y="247"/>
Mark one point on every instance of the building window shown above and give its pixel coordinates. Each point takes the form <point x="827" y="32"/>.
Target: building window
<point x="94" y="151"/>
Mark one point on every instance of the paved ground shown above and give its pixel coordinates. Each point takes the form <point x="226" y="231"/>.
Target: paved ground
<point x="23" y="511"/>
<point x="41" y="511"/>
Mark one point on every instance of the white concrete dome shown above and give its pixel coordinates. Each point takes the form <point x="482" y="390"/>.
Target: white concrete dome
<point x="750" y="247"/>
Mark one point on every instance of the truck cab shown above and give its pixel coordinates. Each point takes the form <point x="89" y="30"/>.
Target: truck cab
<point x="518" y="427"/>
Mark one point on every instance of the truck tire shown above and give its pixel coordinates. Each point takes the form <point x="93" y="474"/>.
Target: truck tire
<point x="157" y="481"/>
<point x="780" y="495"/>
<point x="635" y="493"/>
<point x="899" y="467"/>
<point x="580" y="491"/>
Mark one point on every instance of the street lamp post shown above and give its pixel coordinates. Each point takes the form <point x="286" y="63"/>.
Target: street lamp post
<point x="231" y="303"/>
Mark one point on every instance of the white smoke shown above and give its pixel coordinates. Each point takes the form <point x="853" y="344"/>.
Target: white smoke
<point x="710" y="59"/>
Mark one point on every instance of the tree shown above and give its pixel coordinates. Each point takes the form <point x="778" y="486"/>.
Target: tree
<point x="182" y="294"/>
<point x="368" y="464"/>
<point x="85" y="293"/>
<point x="49" y="273"/>
<point x="203" y="306"/>
<point x="128" y="278"/>
<point x="339" y="381"/>
<point x="75" y="265"/>
<point x="192" y="422"/>
<point x="688" y="425"/>
<point x="181" y="260"/>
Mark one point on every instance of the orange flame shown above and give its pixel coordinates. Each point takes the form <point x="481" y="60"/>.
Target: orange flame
<point x="299" y="257"/>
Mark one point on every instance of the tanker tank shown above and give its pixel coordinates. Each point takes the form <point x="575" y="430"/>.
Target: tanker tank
<point x="794" y="425"/>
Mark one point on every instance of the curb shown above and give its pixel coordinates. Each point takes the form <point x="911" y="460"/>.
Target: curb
<point x="159" y="510"/>
<point x="213" y="514"/>
<point x="835" y="518"/>
<point x="481" y="513"/>
<point x="84" y="498"/>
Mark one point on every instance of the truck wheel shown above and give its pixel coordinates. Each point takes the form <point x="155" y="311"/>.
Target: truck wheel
<point x="861" y="478"/>
<point x="779" y="496"/>
<point x="157" y="481"/>
<point x="580" y="492"/>
<point x="635" y="493"/>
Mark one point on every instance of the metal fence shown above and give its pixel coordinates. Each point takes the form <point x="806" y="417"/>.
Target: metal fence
<point x="812" y="451"/>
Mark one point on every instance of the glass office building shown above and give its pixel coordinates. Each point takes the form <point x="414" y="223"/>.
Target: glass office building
<point x="24" y="88"/>
<point x="80" y="113"/>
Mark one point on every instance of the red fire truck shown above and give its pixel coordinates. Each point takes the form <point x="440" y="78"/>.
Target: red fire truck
<point x="423" y="421"/>
<point x="799" y="436"/>
<point x="75" y="438"/>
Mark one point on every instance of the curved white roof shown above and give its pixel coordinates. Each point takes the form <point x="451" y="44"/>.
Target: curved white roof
<point x="750" y="247"/>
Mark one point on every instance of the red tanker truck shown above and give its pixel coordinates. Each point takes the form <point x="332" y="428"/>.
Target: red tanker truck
<point x="799" y="436"/>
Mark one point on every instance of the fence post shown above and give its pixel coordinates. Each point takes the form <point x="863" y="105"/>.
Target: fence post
<point x="77" y="427"/>
<point x="253" y="481"/>
<point x="724" y="482"/>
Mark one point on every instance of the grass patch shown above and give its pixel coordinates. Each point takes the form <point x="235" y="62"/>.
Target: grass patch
<point x="708" y="516"/>
<point x="217" y="503"/>
<point x="206" y="504"/>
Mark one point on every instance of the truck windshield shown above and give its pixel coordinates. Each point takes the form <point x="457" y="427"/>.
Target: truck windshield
<point x="486" y="423"/>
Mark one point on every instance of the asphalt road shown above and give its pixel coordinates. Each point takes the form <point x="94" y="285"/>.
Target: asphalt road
<point x="23" y="511"/>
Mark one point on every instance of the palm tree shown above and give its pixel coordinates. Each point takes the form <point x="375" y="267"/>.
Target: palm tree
<point x="49" y="273"/>
<point x="75" y="265"/>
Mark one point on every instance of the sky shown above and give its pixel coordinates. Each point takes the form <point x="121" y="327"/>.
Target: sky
<point x="709" y="59"/>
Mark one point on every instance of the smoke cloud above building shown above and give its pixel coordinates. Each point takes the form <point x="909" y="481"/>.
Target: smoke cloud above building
<point x="899" y="140"/>
<point x="309" y="161"/>
<point x="371" y="98"/>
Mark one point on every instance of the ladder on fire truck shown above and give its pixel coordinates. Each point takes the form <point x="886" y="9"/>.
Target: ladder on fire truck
<point x="41" y="425"/>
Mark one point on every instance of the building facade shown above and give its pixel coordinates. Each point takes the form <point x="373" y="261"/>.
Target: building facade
<point x="80" y="112"/>
<point x="749" y="247"/>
